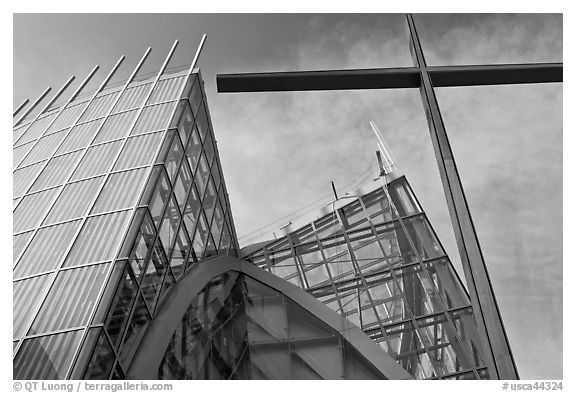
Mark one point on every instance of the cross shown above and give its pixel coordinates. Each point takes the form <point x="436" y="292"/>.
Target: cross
<point x="498" y="355"/>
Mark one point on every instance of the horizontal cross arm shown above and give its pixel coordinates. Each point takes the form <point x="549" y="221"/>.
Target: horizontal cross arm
<point x="495" y="74"/>
<point x="389" y="78"/>
<point x="376" y="78"/>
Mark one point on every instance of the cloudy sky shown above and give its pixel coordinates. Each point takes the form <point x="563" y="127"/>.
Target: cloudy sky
<point x="280" y="151"/>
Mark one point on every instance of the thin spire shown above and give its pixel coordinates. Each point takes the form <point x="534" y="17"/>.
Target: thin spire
<point x="388" y="164"/>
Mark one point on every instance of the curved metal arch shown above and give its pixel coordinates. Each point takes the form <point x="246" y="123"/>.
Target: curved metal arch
<point x="153" y="346"/>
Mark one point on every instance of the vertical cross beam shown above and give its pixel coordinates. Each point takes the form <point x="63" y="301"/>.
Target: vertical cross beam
<point x="497" y="353"/>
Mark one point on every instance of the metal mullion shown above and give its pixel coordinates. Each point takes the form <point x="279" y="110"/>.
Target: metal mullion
<point x="82" y="85"/>
<point x="299" y="269"/>
<point x="53" y="332"/>
<point x="83" y="220"/>
<point x="115" y="160"/>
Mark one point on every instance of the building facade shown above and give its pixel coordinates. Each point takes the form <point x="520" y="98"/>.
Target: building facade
<point x="126" y="260"/>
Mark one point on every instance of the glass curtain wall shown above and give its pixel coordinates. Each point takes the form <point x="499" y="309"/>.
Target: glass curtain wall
<point x="377" y="261"/>
<point x="114" y="199"/>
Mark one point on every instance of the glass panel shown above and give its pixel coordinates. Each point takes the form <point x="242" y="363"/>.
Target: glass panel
<point x="74" y="201"/>
<point x="353" y="216"/>
<point x="99" y="239"/>
<point x="97" y="160"/>
<point x="180" y="252"/>
<point x="183" y="183"/>
<point x="327" y="226"/>
<point x="166" y="90"/>
<point x="138" y="151"/>
<point x="22" y="178"/>
<point x="26" y="297"/>
<point x="202" y="121"/>
<point x="186" y="122"/>
<point x="102" y="359"/>
<point x="194" y="149"/>
<point x="174" y="157"/>
<point x="217" y="223"/>
<point x="200" y="236"/>
<point x="18" y="243"/>
<point x="116" y="126"/>
<point x="210" y="198"/>
<point x="159" y="198"/>
<point x="142" y="246"/>
<point x="36" y="129"/>
<point x="44" y="148"/>
<point x="46" y="357"/>
<point x="46" y="249"/>
<point x="135" y="332"/>
<point x="154" y="275"/>
<point x="170" y="225"/>
<point x="57" y="171"/>
<point x="202" y="174"/>
<point x="121" y="190"/>
<point x="192" y="208"/>
<point x="99" y="106"/>
<point x="403" y="198"/>
<point x="117" y="317"/>
<point x="440" y="340"/>
<point x="133" y="97"/>
<point x="61" y="309"/>
<point x="32" y="209"/>
<point x="80" y="136"/>
<point x="377" y="207"/>
<point x="195" y="94"/>
<point x="422" y="237"/>
<point x="209" y="147"/>
<point x="66" y="118"/>
<point x="18" y="153"/>
<point x="154" y="118"/>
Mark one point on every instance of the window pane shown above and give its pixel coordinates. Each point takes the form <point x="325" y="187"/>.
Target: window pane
<point x="116" y="126"/>
<point x="159" y="198"/>
<point x="46" y="249"/>
<point x="57" y="171"/>
<point x="133" y="97"/>
<point x="44" y="148"/>
<point x="117" y="317"/>
<point x="99" y="239"/>
<point x="22" y="178"/>
<point x="121" y="190"/>
<point x="139" y="151"/>
<point x="183" y="183"/>
<point x="99" y="107"/>
<point x="202" y="121"/>
<point x="194" y="148"/>
<point x="18" y="243"/>
<point x="61" y="309"/>
<point x="136" y="329"/>
<point x="202" y="174"/>
<point x="97" y="160"/>
<point x="195" y="95"/>
<point x="191" y="208"/>
<point x="26" y="296"/>
<point x="180" y="252"/>
<point x="32" y="209"/>
<point x="75" y="200"/>
<point x="166" y="90"/>
<point x="36" y="129"/>
<point x="170" y="225"/>
<point x="46" y="357"/>
<point x="142" y="247"/>
<point x="186" y="122"/>
<point x="154" y="118"/>
<point x="19" y="153"/>
<point x="174" y="157"/>
<point x="80" y="136"/>
<point x="102" y="359"/>
<point x="66" y="118"/>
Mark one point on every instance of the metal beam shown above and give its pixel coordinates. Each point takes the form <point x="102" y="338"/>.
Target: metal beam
<point x="390" y="78"/>
<point x="496" y="74"/>
<point x="377" y="78"/>
<point x="497" y="353"/>
<point x="20" y="107"/>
